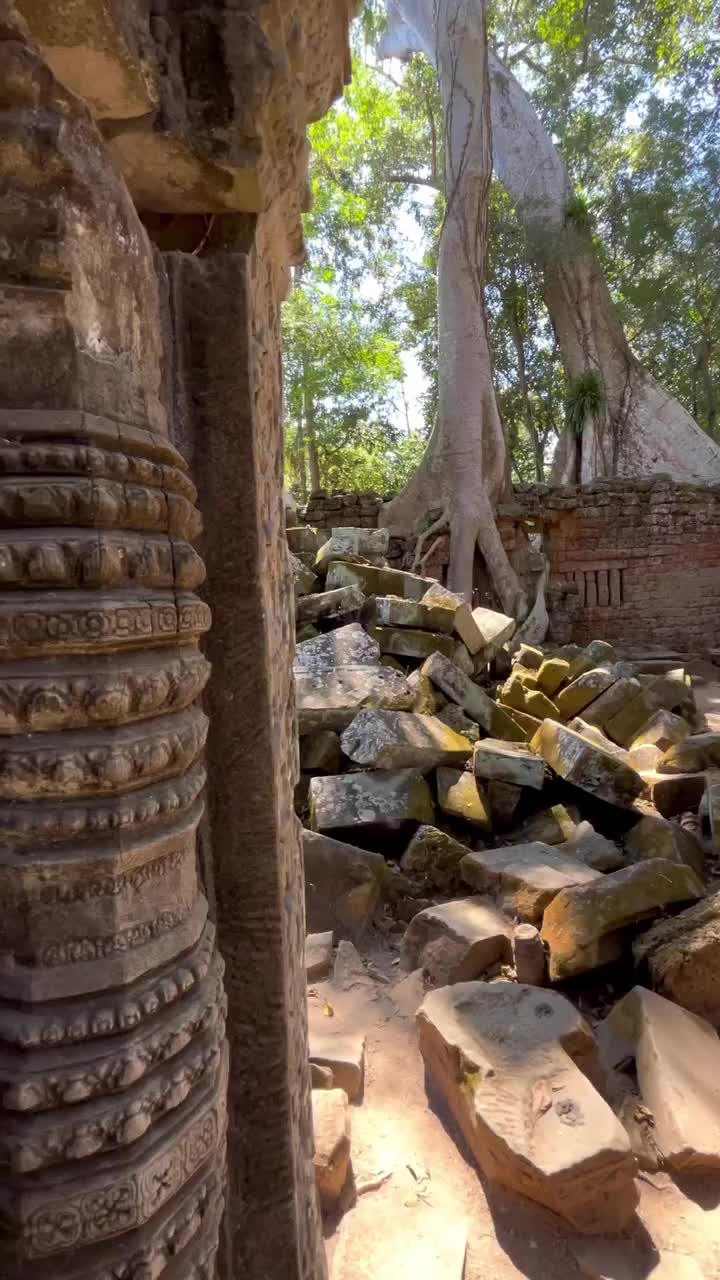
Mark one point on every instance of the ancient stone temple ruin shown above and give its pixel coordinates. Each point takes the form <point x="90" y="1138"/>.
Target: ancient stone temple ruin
<point x="153" y="167"/>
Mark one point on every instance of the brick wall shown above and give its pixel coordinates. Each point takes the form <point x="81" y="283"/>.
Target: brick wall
<point x="633" y="561"/>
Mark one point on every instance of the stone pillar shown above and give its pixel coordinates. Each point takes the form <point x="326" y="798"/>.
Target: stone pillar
<point x="226" y="319"/>
<point x="112" y="1052"/>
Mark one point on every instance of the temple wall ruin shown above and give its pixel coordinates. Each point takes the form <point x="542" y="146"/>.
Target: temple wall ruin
<point x="631" y="561"/>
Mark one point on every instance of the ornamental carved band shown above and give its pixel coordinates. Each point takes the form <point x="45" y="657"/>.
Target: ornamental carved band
<point x="112" y="1051"/>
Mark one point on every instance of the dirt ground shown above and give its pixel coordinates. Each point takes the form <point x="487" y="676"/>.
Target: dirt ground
<point x="434" y="1215"/>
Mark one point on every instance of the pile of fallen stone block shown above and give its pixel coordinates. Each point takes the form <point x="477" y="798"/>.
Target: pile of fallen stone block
<point x="538" y="824"/>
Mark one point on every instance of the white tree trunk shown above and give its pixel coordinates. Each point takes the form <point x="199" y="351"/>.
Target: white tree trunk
<point x="465" y="467"/>
<point x="640" y="428"/>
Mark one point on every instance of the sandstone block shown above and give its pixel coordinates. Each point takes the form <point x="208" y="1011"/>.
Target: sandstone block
<point x="303" y="579"/>
<point x="343" y="885"/>
<point x="503" y="799"/>
<point x="460" y="689"/>
<point x="320" y="752"/>
<point x="674" y="793"/>
<point x="552" y="674"/>
<point x="664" y="729"/>
<point x="713" y="807"/>
<point x="582" y="692"/>
<point x="346" y="542"/>
<point x="611" y="702"/>
<point x="344" y="1053"/>
<point x="375" y="581"/>
<point x="331" y="1129"/>
<point x="528" y="679"/>
<point x="594" y="849"/>
<point x="495" y="629"/>
<point x="331" y="699"/>
<point x="527" y="723"/>
<point x="677" y="1056"/>
<point x="459" y="795"/>
<point x="681" y="956"/>
<point x="318" y="955"/>
<point x="302" y="537"/>
<point x="435" y="855"/>
<point x="455" y="718"/>
<point x="529" y="955"/>
<point x="695" y="754"/>
<point x="583" y="926"/>
<point x="509" y="1062"/>
<point x="463" y="624"/>
<point x="596" y="736"/>
<point x="393" y="611"/>
<point x="386" y="798"/>
<point x="660" y="838"/>
<point x="427" y="698"/>
<point x="645" y="759"/>
<point x="408" y="642"/>
<point x="525" y="877"/>
<point x="344" y="604"/>
<point x="597" y="653"/>
<point x="539" y="705"/>
<point x="587" y="766"/>
<point x="530" y="658"/>
<point x="348" y="646"/>
<point x="402" y="739"/>
<point x="666" y="692"/>
<point x="513" y="691"/>
<point x="494" y="759"/>
<point x="457" y="941"/>
<point x="551" y="826"/>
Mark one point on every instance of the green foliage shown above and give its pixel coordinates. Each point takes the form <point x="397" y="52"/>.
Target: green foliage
<point x="584" y="399"/>
<point x="578" y="212"/>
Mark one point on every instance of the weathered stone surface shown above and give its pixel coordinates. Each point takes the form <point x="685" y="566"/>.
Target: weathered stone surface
<point x="681" y="956"/>
<point x="695" y="754"/>
<point x="343" y="885"/>
<point x="660" y="838"/>
<point x="602" y="710"/>
<point x="713" y="807"/>
<point x="331" y="1129"/>
<point x="583" y="926"/>
<point x="677" y="1056"/>
<point x="318" y="955"/>
<point x="344" y="1053"/>
<point x="408" y="642"/>
<point x="494" y="628"/>
<point x="528" y="955"/>
<point x="455" y="718"/>
<point x="460" y="795"/>
<point x="594" y="849"/>
<point x="438" y="596"/>
<point x="539" y="705"/>
<point x="597" y="653"/>
<point x="330" y="606"/>
<point x="302" y="539"/>
<point x="427" y="699"/>
<point x="320" y="752"/>
<point x="598" y="738"/>
<point x="348" y="646"/>
<point x="303" y="579"/>
<point x="525" y="877"/>
<point x="551" y="826"/>
<point x="645" y="759"/>
<point x="386" y="798"/>
<point x="331" y="699"/>
<point x="509" y="1061"/>
<point x="320" y="1077"/>
<point x="460" y="689"/>
<point x="577" y="760"/>
<point x="501" y="761"/>
<point x="669" y="692"/>
<point x="552" y="673"/>
<point x="456" y="941"/>
<point x="528" y="724"/>
<point x="435" y="855"/>
<point x="583" y="691"/>
<point x="375" y="581"/>
<point x="530" y="657"/>
<point x="664" y="729"/>
<point x="402" y="739"/>
<point x="393" y="611"/>
<point x="344" y="543"/>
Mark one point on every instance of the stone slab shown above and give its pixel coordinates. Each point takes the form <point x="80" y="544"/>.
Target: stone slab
<point x="402" y="739"/>
<point x="457" y="941"/>
<point x="681" y="958"/>
<point x="608" y="704"/>
<point x="344" y="1053"/>
<point x="525" y="877"/>
<point x="509" y="1061"/>
<point x="460" y="795"/>
<point x="660" y="838"/>
<point x="695" y="754"/>
<point x="409" y="642"/>
<point x="343" y="885"/>
<point x="348" y="646"/>
<point x="346" y="602"/>
<point x="394" y="611"/>
<point x="331" y="699"/>
<point x="664" y="729"/>
<point x="583" y="691"/>
<point x="331" y="1158"/>
<point x="459" y="688"/>
<point x="577" y="760"/>
<point x="583" y="926"/>
<point x="495" y="759"/>
<point x="318" y="955"/>
<point x="435" y="855"/>
<point x="386" y="798"/>
<point x="376" y="581"/>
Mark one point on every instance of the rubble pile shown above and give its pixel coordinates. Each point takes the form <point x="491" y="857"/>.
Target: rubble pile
<point x="523" y="818"/>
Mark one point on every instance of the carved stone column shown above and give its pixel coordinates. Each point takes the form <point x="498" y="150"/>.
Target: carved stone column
<point x="112" y="1052"/>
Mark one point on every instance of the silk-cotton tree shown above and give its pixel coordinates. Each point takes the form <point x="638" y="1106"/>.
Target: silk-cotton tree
<point x="465" y="468"/>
